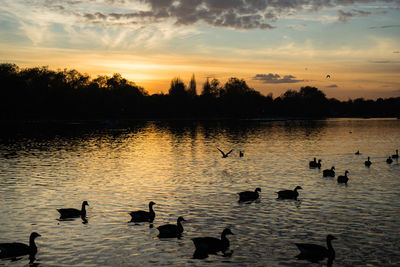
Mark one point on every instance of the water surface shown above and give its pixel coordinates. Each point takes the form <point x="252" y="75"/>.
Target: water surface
<point x="177" y="165"/>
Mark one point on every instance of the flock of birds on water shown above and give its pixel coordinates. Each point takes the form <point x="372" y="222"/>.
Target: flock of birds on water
<point x="203" y="245"/>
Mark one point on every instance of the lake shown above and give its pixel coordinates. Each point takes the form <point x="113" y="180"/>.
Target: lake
<point x="177" y="165"/>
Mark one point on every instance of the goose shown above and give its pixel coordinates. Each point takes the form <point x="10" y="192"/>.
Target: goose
<point x="11" y="250"/>
<point x="316" y="253"/>
<point x="357" y="153"/>
<point x="315" y="164"/>
<point x="143" y="216"/>
<point x="211" y="245"/>
<point x="389" y="160"/>
<point x="343" y="178"/>
<point x="396" y="156"/>
<point x="289" y="194"/>
<point x="249" y="195"/>
<point x="171" y="230"/>
<point x="368" y="162"/>
<point x="241" y="154"/>
<point x="223" y="154"/>
<point x="329" y="172"/>
<point x="72" y="213"/>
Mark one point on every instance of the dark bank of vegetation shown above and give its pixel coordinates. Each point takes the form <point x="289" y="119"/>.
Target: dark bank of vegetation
<point x="40" y="93"/>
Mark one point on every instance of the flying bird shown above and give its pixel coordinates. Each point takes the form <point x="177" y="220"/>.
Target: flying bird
<point x="223" y="154"/>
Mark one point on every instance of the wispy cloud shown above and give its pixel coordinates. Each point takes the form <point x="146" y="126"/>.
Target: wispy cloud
<point x="276" y="78"/>
<point x="346" y="16"/>
<point x="385" y="27"/>
<point x="332" y="86"/>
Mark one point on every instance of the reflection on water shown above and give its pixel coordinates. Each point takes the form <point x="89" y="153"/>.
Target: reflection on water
<point x="178" y="166"/>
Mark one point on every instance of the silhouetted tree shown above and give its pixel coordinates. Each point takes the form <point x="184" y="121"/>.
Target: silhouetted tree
<point x="177" y="88"/>
<point x="192" y="87"/>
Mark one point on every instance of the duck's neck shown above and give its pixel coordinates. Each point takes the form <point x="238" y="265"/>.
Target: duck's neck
<point x="151" y="209"/>
<point x="330" y="248"/>
<point x="83" y="210"/>
<point x="225" y="242"/>
<point x="32" y="245"/>
<point x="180" y="226"/>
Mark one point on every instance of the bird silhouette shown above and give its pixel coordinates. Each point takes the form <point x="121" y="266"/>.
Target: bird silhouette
<point x="73" y="213"/>
<point x="223" y="154"/>
<point x="143" y="216"/>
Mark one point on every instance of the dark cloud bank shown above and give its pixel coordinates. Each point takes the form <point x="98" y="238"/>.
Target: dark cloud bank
<point x="276" y="78"/>
<point x="238" y="14"/>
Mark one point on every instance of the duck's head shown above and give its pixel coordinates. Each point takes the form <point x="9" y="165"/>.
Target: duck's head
<point x="258" y="189"/>
<point x="298" y="187"/>
<point x="84" y="203"/>
<point x="319" y="161"/>
<point x="330" y="237"/>
<point x="151" y="203"/>
<point x="333" y="167"/>
<point x="227" y="231"/>
<point x="180" y="219"/>
<point x="346" y="172"/>
<point x="34" y="235"/>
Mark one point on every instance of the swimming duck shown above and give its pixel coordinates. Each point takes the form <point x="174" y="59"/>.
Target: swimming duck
<point x="396" y="156"/>
<point x="329" y="172"/>
<point x="316" y="253"/>
<point x="389" y="160"/>
<point x="11" y="250"/>
<point x="211" y="245"/>
<point x="72" y="213"/>
<point x="368" y="162"/>
<point x="143" y="216"/>
<point x="171" y="230"/>
<point x="289" y="194"/>
<point x="223" y="154"/>
<point x="343" y="178"/>
<point x="249" y="195"/>
<point x="315" y="164"/>
<point x="241" y="154"/>
<point x="358" y="152"/>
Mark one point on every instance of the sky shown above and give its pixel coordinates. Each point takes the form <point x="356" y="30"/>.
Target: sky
<point x="274" y="45"/>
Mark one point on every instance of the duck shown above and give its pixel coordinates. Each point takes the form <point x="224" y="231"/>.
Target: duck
<point x="357" y="153"/>
<point x="329" y="172"/>
<point x="72" y="213"/>
<point x="171" y="230"/>
<point x="249" y="195"/>
<point x="11" y="250"/>
<point x="241" y="154"/>
<point x="315" y="164"/>
<point x="396" y="156"/>
<point x="316" y="253"/>
<point x="223" y="154"/>
<point x="143" y="216"/>
<point x="212" y="245"/>
<point x="343" y="178"/>
<point x="389" y="160"/>
<point x="368" y="162"/>
<point x="289" y="194"/>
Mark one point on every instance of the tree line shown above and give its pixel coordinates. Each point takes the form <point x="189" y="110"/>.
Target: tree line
<point x="40" y="93"/>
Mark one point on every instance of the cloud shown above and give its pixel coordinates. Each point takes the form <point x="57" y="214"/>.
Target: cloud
<point x="385" y="27"/>
<point x="236" y="14"/>
<point x="344" y="17"/>
<point x="332" y="86"/>
<point x="396" y="52"/>
<point x="275" y="78"/>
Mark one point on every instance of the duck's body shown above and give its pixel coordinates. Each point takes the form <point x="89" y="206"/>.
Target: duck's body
<point x="315" y="164"/>
<point x="289" y="194"/>
<point x="171" y="230"/>
<point x="73" y="213"/>
<point x="329" y="172"/>
<point x="396" y="156"/>
<point x="343" y="178"/>
<point x="249" y="195"/>
<point x="389" y="160"/>
<point x="212" y="245"/>
<point x="11" y="250"/>
<point x="223" y="154"/>
<point x="368" y="162"/>
<point x="143" y="216"/>
<point x="316" y="252"/>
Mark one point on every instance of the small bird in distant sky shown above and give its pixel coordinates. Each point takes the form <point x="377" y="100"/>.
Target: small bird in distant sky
<point x="328" y="76"/>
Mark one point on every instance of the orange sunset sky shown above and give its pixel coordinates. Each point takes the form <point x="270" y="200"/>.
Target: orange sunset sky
<point x="273" y="45"/>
